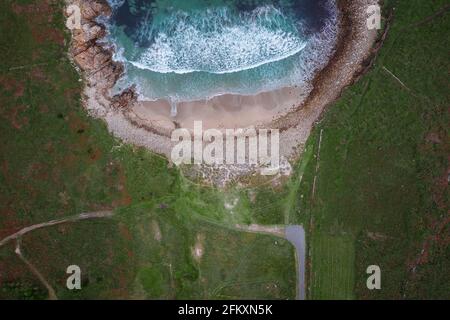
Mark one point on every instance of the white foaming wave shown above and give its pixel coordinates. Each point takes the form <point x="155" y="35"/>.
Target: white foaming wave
<point x="313" y="58"/>
<point x="118" y="54"/>
<point x="216" y="42"/>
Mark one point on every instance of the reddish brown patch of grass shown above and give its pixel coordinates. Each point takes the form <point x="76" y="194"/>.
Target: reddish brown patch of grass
<point x="11" y="84"/>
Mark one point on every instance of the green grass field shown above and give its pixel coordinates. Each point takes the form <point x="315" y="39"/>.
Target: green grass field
<point x="333" y="273"/>
<point x="147" y="252"/>
<point x="384" y="160"/>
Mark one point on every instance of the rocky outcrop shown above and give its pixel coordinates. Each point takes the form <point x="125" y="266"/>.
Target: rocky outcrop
<point x="91" y="9"/>
<point x="123" y="100"/>
<point x="93" y="57"/>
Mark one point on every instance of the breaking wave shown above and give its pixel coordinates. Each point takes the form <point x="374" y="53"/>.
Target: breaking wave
<point x="195" y="54"/>
<point x="219" y="41"/>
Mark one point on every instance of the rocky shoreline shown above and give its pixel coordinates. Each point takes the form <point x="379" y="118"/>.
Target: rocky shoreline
<point x="95" y="62"/>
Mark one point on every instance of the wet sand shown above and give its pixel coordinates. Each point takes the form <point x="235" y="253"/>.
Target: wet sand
<point x="221" y="112"/>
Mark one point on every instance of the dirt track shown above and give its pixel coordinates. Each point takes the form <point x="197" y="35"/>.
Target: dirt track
<point x="82" y="216"/>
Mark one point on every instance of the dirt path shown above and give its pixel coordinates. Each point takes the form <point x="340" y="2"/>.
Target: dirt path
<point x="82" y="216"/>
<point x="18" y="237"/>
<point x="262" y="229"/>
<point x="293" y="234"/>
<point x="51" y="291"/>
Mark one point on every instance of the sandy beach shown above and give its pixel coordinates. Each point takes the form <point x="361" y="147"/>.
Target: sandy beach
<point x="221" y="112"/>
<point x="292" y="110"/>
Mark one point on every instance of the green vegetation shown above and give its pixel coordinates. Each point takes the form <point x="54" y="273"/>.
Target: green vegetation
<point x="381" y="193"/>
<point x="56" y="161"/>
<point x="198" y="259"/>
<point x="24" y="291"/>
<point x="382" y="182"/>
<point x="334" y="270"/>
<point x="149" y="252"/>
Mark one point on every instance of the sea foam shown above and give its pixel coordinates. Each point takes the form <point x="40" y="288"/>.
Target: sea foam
<point x="219" y="41"/>
<point x="210" y="53"/>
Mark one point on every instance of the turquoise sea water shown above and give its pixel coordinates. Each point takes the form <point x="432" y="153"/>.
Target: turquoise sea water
<point x="194" y="49"/>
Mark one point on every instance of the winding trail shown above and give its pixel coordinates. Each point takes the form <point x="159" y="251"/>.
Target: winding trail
<point x="51" y="291"/>
<point x="82" y="216"/>
<point x="295" y="234"/>
<point x="18" y="237"/>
